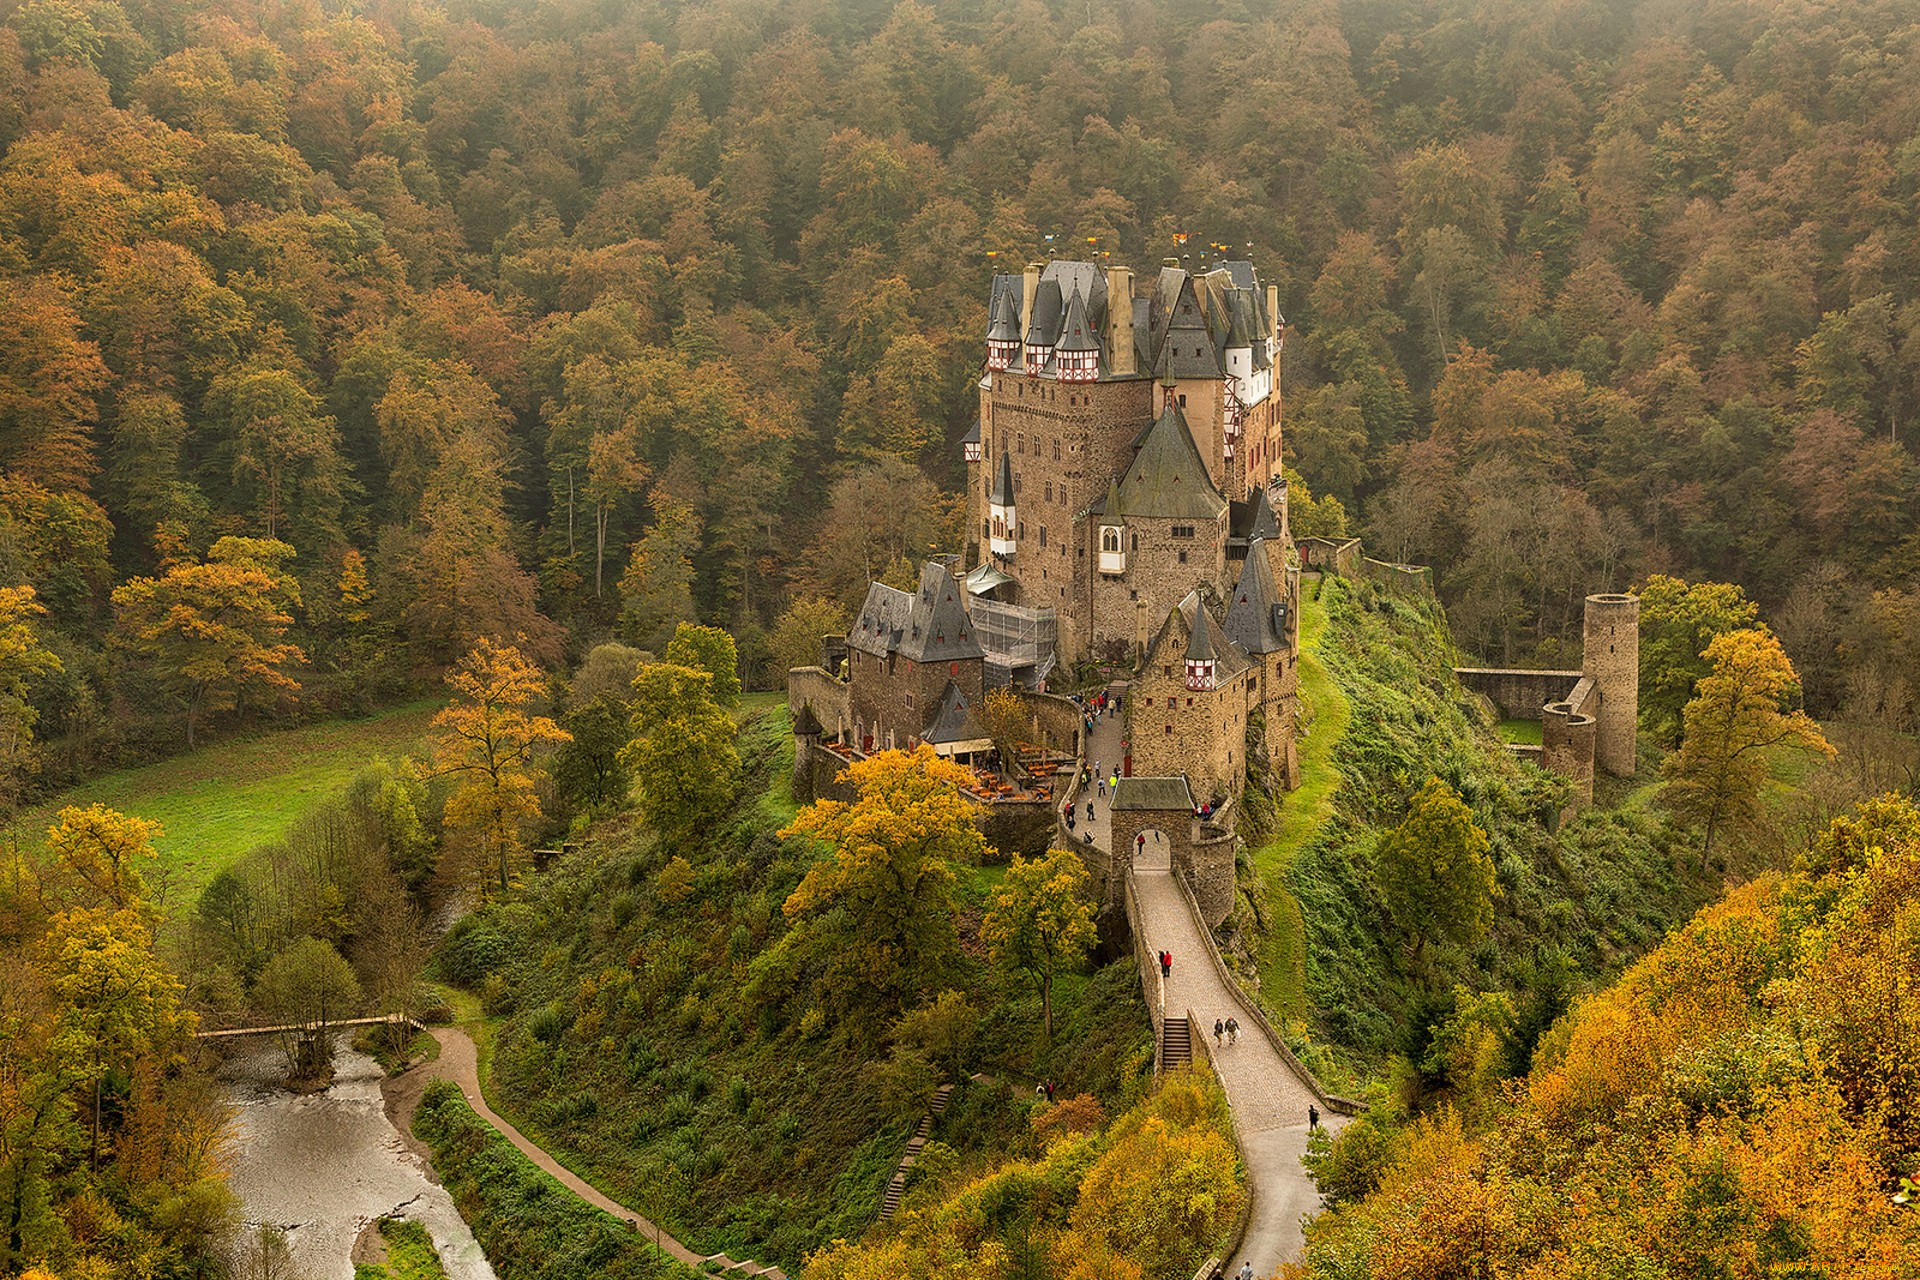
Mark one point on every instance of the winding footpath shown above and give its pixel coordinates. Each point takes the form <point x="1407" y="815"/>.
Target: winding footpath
<point x="459" y="1061"/>
<point x="1266" y="1090"/>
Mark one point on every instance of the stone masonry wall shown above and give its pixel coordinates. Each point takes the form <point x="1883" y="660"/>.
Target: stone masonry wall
<point x="1519" y="695"/>
<point x="1174" y="730"/>
<point x="892" y="700"/>
<point x="1156" y="579"/>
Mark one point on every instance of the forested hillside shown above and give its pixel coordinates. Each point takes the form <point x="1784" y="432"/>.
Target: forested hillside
<point x="374" y="331"/>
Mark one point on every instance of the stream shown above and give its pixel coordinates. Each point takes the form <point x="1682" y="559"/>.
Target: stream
<point x="322" y="1166"/>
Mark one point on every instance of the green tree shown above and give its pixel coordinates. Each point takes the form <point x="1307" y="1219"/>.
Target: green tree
<point x="1737" y="717"/>
<point x="872" y="921"/>
<point x="711" y="650"/>
<point x="1040" y="921"/>
<point x="310" y="985"/>
<point x="1435" y="873"/>
<point x="1678" y="620"/>
<point x="656" y="591"/>
<point x="682" y="753"/>
<point x="588" y="768"/>
<point x="117" y="1002"/>
<point x="795" y="638"/>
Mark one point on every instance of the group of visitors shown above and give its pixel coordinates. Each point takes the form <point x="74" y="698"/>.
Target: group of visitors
<point x="1229" y="1029"/>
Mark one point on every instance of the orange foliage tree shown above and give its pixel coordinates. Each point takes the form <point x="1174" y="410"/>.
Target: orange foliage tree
<point x="214" y="632"/>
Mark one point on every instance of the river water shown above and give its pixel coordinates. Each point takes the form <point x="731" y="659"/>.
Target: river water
<point x="322" y="1166"/>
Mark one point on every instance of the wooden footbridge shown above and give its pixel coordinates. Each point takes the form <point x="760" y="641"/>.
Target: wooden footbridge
<point x="313" y="1028"/>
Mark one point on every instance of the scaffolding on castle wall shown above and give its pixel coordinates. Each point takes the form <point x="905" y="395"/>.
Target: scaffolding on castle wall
<point x="1015" y="636"/>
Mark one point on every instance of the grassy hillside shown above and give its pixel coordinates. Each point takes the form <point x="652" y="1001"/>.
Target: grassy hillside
<point x="626" y="1041"/>
<point x="1578" y="903"/>
<point x="218" y="803"/>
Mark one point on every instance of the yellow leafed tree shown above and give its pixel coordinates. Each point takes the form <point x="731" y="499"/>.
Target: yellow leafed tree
<point x="489" y="740"/>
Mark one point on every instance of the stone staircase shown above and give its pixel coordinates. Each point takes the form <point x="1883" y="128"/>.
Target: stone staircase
<point x="1176" y="1043"/>
<point x="722" y="1263"/>
<point x="897" y="1186"/>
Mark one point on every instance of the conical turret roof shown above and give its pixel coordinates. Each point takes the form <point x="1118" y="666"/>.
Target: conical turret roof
<point x="1001" y="495"/>
<point x="1003" y="322"/>
<point x="1200" y="643"/>
<point x="1256" y="615"/>
<point x="1076" y="334"/>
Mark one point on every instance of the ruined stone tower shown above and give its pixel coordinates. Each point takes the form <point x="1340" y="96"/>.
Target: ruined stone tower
<point x="1611" y="659"/>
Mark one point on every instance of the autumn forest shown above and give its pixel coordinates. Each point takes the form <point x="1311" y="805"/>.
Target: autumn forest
<point x="353" y="355"/>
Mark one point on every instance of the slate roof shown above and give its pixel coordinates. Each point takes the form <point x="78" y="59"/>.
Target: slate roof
<point x="1075" y="333"/>
<point x="927" y="625"/>
<point x="1186" y="348"/>
<point x="882" y="620"/>
<point x="1254" y="518"/>
<point x="1001" y="495"/>
<point x="1003" y="312"/>
<point x="953" y="721"/>
<point x="937" y="627"/>
<point x="1187" y="617"/>
<point x="973" y="433"/>
<point x="1049" y="309"/>
<point x="1137" y="794"/>
<point x="1167" y="477"/>
<point x="1256" y="613"/>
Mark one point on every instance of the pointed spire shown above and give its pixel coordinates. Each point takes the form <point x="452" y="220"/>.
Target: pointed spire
<point x="1200" y="643"/>
<point x="1076" y="334"/>
<point x="1001" y="495"/>
<point x="1004" y="323"/>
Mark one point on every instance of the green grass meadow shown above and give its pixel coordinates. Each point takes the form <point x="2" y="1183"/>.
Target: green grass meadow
<point x="1302" y="812"/>
<point x="218" y="803"/>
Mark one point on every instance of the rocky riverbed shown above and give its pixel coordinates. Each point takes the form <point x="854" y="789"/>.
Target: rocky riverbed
<point x="324" y="1166"/>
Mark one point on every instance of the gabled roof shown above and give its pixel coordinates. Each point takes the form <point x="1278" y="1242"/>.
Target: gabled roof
<point x="1177" y="637"/>
<point x="1167" y="477"/>
<point x="938" y="628"/>
<point x="882" y="620"/>
<point x="1186" y="348"/>
<point x="1256" y="613"/>
<point x="1254" y="518"/>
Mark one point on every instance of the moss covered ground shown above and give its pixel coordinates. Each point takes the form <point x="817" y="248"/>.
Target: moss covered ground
<point x="410" y="1254"/>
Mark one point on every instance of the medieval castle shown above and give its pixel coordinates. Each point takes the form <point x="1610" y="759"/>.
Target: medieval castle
<point x="1127" y="508"/>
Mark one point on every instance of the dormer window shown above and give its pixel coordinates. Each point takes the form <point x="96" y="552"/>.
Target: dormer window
<point x="1113" y="550"/>
<point x="1000" y="354"/>
<point x="1200" y="674"/>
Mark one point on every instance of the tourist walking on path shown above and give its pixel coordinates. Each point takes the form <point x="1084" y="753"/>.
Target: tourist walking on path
<point x="1246" y="1271"/>
<point x="1313" y="1116"/>
<point x="1166" y="964"/>
<point x="1233" y="1030"/>
<point x="1219" y="1029"/>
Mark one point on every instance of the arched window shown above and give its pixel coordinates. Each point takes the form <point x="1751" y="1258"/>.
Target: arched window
<point x="1109" y="539"/>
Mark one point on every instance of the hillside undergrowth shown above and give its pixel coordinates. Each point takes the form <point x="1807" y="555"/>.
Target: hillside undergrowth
<point x="628" y="1041"/>
<point x="1576" y="903"/>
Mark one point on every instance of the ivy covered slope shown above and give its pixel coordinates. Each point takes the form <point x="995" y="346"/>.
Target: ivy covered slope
<point x="1568" y="906"/>
<point x="1741" y="1103"/>
<point x="634" y="1040"/>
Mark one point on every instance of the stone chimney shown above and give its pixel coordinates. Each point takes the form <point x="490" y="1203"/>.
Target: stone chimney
<point x="1273" y="314"/>
<point x="1120" y="321"/>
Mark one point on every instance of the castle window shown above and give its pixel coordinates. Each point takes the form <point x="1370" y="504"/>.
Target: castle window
<point x="909" y="702"/>
<point x="1183" y="531"/>
<point x="1056" y="451"/>
<point x="1043" y="535"/>
<point x="1049" y="491"/>
<point x="1169" y="728"/>
<point x="1183" y="557"/>
<point x="953" y="668"/>
<point x="1183" y="398"/>
<point x="1149" y="701"/>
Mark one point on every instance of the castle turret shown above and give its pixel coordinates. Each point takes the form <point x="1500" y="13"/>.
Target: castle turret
<point x="1003" y="329"/>
<point x="1201" y="656"/>
<point x="1077" y="354"/>
<point x="1611" y="659"/>
<point x="1003" y="520"/>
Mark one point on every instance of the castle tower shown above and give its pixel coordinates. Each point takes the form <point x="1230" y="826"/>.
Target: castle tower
<point x="1611" y="659"/>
